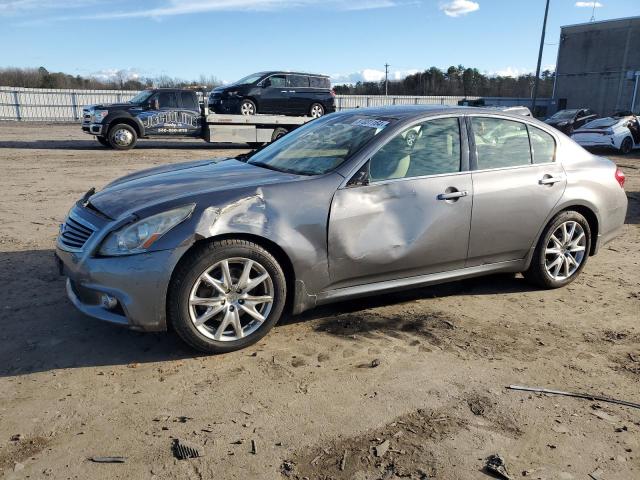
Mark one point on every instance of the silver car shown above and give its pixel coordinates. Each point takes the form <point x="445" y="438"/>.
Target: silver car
<point x="355" y="203"/>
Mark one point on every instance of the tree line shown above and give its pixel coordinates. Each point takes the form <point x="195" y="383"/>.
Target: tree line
<point x="455" y="81"/>
<point x="120" y="80"/>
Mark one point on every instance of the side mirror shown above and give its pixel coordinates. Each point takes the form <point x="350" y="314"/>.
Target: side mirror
<point x="361" y="178"/>
<point x="154" y="104"/>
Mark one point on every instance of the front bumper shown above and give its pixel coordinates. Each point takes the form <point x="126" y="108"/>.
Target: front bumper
<point x="230" y="105"/>
<point x="93" y="128"/>
<point x="138" y="282"/>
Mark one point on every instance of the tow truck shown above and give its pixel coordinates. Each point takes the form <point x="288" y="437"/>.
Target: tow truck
<point x="177" y="113"/>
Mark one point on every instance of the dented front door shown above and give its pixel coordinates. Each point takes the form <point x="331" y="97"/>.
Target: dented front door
<point x="399" y="228"/>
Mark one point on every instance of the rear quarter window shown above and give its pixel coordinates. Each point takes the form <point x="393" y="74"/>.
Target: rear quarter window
<point x="543" y="145"/>
<point x="319" y="82"/>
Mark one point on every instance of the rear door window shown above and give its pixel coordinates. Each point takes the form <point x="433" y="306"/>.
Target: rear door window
<point x="167" y="100"/>
<point x="188" y="101"/>
<point x="298" y="81"/>
<point x="543" y="145"/>
<point x="500" y="143"/>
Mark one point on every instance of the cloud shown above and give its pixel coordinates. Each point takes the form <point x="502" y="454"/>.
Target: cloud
<point x="168" y="8"/>
<point x="589" y="4"/>
<point x="110" y="74"/>
<point x="457" y="8"/>
<point x="370" y="75"/>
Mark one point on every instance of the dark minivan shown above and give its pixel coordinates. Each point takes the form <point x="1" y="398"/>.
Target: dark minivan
<point x="275" y="92"/>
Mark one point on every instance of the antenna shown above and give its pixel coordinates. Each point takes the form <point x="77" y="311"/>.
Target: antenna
<point x="593" y="12"/>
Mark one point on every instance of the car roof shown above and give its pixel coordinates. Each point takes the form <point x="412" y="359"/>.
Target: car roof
<point x="285" y="72"/>
<point x="406" y="112"/>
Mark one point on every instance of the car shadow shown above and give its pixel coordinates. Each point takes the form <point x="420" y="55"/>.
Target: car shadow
<point x="91" y="144"/>
<point x="633" y="208"/>
<point x="42" y="331"/>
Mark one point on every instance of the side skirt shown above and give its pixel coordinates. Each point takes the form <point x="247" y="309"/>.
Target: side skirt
<point x="338" y="294"/>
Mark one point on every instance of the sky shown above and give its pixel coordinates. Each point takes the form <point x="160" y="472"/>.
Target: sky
<point x="349" y="40"/>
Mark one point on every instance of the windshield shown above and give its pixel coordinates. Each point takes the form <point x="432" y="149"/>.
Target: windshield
<point x="249" y="79"/>
<point x="141" y="97"/>
<point x="321" y="145"/>
<point x="564" y="114"/>
<point x="602" y="123"/>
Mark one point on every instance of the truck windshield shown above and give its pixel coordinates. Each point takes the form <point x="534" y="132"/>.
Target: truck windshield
<point x="321" y="145"/>
<point x="141" y="97"/>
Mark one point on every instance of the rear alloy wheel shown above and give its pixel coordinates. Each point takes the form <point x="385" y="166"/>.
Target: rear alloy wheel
<point x="226" y="296"/>
<point x="122" y="136"/>
<point x="317" y="110"/>
<point x="103" y="141"/>
<point x="626" y="146"/>
<point x="247" y="107"/>
<point x="562" y="252"/>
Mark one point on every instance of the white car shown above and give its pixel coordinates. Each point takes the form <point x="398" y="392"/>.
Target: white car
<point x="619" y="132"/>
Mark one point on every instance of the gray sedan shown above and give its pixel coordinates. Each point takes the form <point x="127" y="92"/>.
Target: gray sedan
<point x="352" y="204"/>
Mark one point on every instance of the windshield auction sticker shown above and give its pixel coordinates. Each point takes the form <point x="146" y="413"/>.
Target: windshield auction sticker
<point x="370" y="122"/>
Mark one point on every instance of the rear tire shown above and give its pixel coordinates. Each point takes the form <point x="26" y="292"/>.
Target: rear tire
<point x="316" y="110"/>
<point x="227" y="302"/>
<point x="103" y="141"/>
<point x="626" y="146"/>
<point x="562" y="251"/>
<point x="278" y="133"/>
<point x="122" y="136"/>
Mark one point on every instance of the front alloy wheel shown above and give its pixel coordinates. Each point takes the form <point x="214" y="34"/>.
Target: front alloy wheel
<point x="226" y="295"/>
<point x="231" y="299"/>
<point x="247" y="107"/>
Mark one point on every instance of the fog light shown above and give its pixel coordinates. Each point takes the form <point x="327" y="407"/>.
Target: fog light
<point x="108" y="301"/>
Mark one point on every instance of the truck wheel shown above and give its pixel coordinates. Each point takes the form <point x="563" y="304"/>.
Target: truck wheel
<point x="278" y="132"/>
<point x="122" y="136"/>
<point x="247" y="107"/>
<point x="103" y="141"/>
<point x="626" y="146"/>
<point x="226" y="295"/>
<point x="317" y="110"/>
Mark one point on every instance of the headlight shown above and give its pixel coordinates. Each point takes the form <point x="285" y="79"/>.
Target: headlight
<point x="139" y="236"/>
<point x="98" y="115"/>
<point x="232" y="94"/>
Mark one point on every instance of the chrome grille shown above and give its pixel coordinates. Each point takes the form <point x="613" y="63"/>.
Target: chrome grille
<point x="74" y="233"/>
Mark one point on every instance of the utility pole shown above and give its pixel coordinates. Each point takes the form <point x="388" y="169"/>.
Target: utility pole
<point x="386" y="79"/>
<point x="537" y="79"/>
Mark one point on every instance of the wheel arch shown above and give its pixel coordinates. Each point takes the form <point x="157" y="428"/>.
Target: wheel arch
<point x="272" y="247"/>
<point x="128" y="121"/>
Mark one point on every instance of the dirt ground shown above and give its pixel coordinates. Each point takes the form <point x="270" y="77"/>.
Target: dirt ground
<point x="420" y="374"/>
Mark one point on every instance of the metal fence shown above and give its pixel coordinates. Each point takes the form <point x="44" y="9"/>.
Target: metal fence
<point x="56" y="105"/>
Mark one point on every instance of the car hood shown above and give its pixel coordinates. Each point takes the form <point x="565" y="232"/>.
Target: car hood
<point x="184" y="180"/>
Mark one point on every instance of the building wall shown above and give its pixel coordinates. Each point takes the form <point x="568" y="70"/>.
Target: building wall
<point x="594" y="61"/>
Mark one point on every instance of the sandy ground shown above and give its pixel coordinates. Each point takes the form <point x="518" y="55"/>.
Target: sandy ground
<point x="425" y="370"/>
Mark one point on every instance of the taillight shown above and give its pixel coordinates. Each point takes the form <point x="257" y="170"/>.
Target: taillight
<point x="333" y="93"/>
<point x="620" y="177"/>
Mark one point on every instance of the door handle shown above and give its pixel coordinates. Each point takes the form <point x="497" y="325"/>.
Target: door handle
<point x="292" y="91"/>
<point x="549" y="180"/>
<point x="284" y="91"/>
<point x="452" y="195"/>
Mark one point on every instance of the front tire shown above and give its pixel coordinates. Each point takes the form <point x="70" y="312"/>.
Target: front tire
<point x="247" y="107"/>
<point x="626" y="146"/>
<point x="562" y="251"/>
<point x="226" y="295"/>
<point x="122" y="136"/>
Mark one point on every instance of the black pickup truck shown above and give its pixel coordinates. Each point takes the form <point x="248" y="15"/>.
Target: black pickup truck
<point x="177" y="113"/>
<point x="164" y="112"/>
